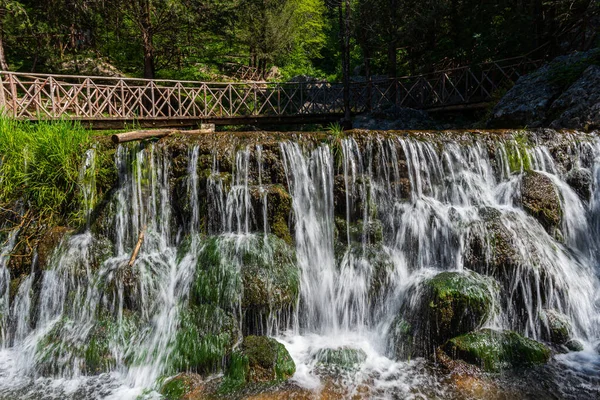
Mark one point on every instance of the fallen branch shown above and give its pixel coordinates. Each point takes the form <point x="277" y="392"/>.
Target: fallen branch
<point x="138" y="245"/>
<point x="153" y="133"/>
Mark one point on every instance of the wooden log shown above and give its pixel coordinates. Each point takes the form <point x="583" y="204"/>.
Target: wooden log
<point x="154" y="133"/>
<point x="139" y="135"/>
<point x="137" y="248"/>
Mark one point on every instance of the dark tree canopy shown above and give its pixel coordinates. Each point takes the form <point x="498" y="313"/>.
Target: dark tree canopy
<point x="195" y="39"/>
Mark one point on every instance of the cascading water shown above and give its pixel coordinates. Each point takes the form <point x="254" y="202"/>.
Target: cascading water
<point x="372" y="219"/>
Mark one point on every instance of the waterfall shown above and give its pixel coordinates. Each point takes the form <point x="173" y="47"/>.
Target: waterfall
<point x="326" y="245"/>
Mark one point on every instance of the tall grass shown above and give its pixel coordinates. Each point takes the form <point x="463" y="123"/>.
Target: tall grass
<point x="39" y="164"/>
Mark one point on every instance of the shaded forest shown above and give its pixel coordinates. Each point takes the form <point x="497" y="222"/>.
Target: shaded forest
<point x="207" y="39"/>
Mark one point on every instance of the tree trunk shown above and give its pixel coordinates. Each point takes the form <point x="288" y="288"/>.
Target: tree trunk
<point x="3" y="63"/>
<point x="147" y="38"/>
<point x="345" y="39"/>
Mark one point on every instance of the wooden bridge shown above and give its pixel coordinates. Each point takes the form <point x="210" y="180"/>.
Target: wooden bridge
<point x="111" y="102"/>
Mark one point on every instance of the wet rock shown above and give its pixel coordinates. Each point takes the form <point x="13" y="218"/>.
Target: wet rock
<point x="447" y="305"/>
<point x="579" y="106"/>
<point x="574" y="345"/>
<point x="375" y="262"/>
<point x="494" y="351"/>
<point x="279" y="208"/>
<point x="369" y="232"/>
<point x="556" y="327"/>
<point x="49" y="241"/>
<point x="257" y="272"/>
<point x="259" y="359"/>
<point x="540" y="199"/>
<point x="66" y="348"/>
<point x="341" y="359"/>
<point x="580" y="179"/>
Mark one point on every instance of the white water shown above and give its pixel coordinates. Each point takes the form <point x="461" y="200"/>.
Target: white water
<point x="428" y="198"/>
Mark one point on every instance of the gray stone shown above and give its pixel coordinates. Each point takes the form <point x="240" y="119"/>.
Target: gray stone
<point x="579" y="106"/>
<point x="537" y="99"/>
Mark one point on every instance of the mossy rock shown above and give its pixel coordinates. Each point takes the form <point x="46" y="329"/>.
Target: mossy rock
<point x="459" y="302"/>
<point x="372" y="260"/>
<point x="494" y="351"/>
<point x="259" y="362"/>
<point x="370" y="232"/>
<point x="257" y="272"/>
<point x="556" y="327"/>
<point x="541" y="200"/>
<point x="268" y="360"/>
<point x="503" y="245"/>
<point x="178" y="387"/>
<point x="64" y="349"/>
<point x="205" y="337"/>
<point x="279" y="209"/>
<point x="340" y="359"/>
<point x="449" y="304"/>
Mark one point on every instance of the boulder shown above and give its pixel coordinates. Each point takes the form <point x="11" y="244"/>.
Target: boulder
<point x="541" y="200"/>
<point x="556" y="327"/>
<point x="580" y="179"/>
<point x="574" y="345"/>
<point x="341" y="359"/>
<point x="447" y="305"/>
<point x="531" y="101"/>
<point x="579" y="106"/>
<point x="494" y="351"/>
<point x="259" y="359"/>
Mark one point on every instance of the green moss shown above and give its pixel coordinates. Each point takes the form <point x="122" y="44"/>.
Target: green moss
<point x="218" y="280"/>
<point x="236" y="374"/>
<point x="205" y="337"/>
<point x="518" y="154"/>
<point x="494" y="351"/>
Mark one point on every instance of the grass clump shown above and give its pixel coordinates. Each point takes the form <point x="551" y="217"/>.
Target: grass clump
<point x="39" y="164"/>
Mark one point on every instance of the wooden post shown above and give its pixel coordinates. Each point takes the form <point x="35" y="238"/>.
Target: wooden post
<point x="52" y="100"/>
<point x="13" y="91"/>
<point x="2" y="96"/>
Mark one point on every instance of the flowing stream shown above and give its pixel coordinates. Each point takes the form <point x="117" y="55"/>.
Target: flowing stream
<point x="372" y="218"/>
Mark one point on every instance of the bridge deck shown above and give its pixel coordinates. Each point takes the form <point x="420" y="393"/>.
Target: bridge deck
<point x="109" y="102"/>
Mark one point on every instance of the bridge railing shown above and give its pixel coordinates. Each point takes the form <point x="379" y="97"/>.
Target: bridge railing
<point x="39" y="96"/>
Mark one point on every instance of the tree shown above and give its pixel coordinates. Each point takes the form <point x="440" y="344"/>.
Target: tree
<point x="12" y="12"/>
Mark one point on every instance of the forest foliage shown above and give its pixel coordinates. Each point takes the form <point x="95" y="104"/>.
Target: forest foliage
<point x="198" y="39"/>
